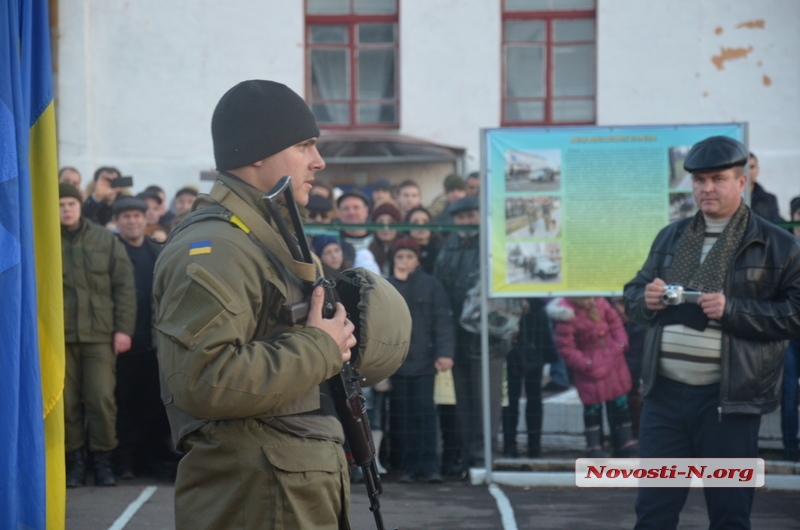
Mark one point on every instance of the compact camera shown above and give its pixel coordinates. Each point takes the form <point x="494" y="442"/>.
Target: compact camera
<point x="676" y="295"/>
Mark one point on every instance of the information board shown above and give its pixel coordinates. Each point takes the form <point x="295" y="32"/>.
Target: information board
<point x="572" y="211"/>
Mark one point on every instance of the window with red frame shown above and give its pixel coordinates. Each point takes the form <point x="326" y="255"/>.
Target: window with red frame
<point x="549" y="62"/>
<point x="351" y="62"/>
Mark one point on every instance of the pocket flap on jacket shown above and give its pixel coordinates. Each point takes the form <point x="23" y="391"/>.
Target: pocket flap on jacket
<point x="299" y="458"/>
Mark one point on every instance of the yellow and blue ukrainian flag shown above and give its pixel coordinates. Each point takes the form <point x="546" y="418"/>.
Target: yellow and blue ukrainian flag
<point x="32" y="488"/>
<point x="200" y="247"/>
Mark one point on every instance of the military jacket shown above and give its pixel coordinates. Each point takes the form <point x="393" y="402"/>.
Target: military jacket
<point x="99" y="292"/>
<point x="224" y="349"/>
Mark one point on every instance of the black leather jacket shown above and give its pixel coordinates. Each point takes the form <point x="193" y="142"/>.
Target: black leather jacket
<point x="762" y="311"/>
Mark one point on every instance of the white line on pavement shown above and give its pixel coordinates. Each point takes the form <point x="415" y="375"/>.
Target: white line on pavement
<point x="503" y="504"/>
<point x="132" y="508"/>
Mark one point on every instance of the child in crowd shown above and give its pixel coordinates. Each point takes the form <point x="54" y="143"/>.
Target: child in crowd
<point x="530" y="350"/>
<point x="330" y="252"/>
<point x="590" y="337"/>
<point x="633" y="358"/>
<point x="432" y="344"/>
<point x="429" y="242"/>
<point x="381" y="246"/>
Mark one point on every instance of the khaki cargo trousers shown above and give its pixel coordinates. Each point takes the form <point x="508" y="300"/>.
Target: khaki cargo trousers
<point x="91" y="376"/>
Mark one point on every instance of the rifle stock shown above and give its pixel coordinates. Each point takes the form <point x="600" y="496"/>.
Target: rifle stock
<point x="351" y="407"/>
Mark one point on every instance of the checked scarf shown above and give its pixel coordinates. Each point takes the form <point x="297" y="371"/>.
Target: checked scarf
<point x="709" y="276"/>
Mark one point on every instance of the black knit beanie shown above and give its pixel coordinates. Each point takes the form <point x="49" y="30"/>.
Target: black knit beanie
<point x="256" y="119"/>
<point x="68" y="190"/>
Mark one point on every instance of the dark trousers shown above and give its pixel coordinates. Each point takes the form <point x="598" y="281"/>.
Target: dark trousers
<point x="789" y="415"/>
<point x="451" y="445"/>
<point x="414" y="415"/>
<point x="142" y="426"/>
<point x="469" y="404"/>
<point x="682" y="421"/>
<point x="519" y="371"/>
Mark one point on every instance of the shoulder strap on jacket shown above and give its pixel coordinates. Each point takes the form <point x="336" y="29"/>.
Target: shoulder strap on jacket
<point x="294" y="285"/>
<point x="262" y="231"/>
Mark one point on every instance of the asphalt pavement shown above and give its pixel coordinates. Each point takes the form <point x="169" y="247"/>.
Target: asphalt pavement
<point x="451" y="505"/>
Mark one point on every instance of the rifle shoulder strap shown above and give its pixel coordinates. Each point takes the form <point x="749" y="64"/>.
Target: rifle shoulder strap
<point x="215" y="211"/>
<point x="263" y="232"/>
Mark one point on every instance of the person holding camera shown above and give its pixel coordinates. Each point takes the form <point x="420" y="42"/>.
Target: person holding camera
<point x="107" y="184"/>
<point x="720" y="294"/>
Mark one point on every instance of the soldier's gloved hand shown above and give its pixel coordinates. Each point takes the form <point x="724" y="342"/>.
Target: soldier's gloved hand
<point x="338" y="326"/>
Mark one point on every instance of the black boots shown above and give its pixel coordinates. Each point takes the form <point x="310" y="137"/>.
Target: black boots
<point x="76" y="468"/>
<point x="103" y="474"/>
<point x="625" y="445"/>
<point x="534" y="444"/>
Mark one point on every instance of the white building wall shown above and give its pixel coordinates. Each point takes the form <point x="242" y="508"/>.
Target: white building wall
<point x="662" y="62"/>
<point x="450" y="71"/>
<point x="138" y="81"/>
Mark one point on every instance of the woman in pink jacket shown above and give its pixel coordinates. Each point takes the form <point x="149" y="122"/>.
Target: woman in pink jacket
<point x="590" y="336"/>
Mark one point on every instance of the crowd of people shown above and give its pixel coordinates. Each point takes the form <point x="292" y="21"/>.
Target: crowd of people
<point x="184" y="352"/>
<point x="115" y="420"/>
<point x="114" y="409"/>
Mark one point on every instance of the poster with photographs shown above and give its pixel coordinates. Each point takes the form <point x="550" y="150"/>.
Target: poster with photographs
<point x="572" y="211"/>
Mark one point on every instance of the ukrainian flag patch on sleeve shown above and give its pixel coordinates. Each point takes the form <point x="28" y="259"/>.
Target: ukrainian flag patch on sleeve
<point x="200" y="247"/>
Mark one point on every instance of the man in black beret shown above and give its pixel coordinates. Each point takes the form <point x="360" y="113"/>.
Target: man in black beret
<point x="712" y="358"/>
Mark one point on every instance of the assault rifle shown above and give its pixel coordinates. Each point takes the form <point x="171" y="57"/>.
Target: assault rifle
<point x="350" y="403"/>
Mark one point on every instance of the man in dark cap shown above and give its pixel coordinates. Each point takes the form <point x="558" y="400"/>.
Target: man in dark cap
<point x="142" y="426"/>
<point x="711" y="365"/>
<point x="458" y="268"/>
<point x="320" y="209"/>
<point x="246" y="390"/>
<point x="353" y="206"/>
<point x="99" y="320"/>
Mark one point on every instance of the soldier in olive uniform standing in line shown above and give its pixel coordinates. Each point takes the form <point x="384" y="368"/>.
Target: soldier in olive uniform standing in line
<point x="245" y="391"/>
<point x="99" y="319"/>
